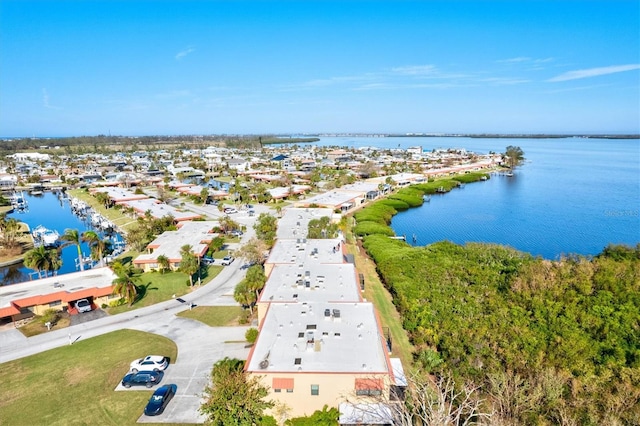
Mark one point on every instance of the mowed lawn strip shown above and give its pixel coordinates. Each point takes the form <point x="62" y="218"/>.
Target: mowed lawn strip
<point x="156" y="287"/>
<point x="74" y="384"/>
<point x="377" y="293"/>
<point x="214" y="316"/>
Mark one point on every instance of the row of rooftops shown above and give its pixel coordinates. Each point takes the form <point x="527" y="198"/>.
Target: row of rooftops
<point x="312" y="316"/>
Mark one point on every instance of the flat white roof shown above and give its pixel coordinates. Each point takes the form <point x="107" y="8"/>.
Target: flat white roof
<point x="159" y="210"/>
<point x="295" y="221"/>
<point x="333" y="198"/>
<point x="301" y="251"/>
<point x="74" y="282"/>
<point x="320" y="337"/>
<point x="169" y="243"/>
<point x="118" y="194"/>
<point x="311" y="283"/>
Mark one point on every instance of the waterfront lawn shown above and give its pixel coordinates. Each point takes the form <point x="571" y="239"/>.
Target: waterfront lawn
<point x="74" y="384"/>
<point x="155" y="287"/>
<point x="214" y="316"/>
<point x="116" y="216"/>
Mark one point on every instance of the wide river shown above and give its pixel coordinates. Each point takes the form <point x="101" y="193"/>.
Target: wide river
<point x="572" y="196"/>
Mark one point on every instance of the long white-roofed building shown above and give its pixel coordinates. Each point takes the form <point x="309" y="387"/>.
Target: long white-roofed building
<point x="295" y="221"/>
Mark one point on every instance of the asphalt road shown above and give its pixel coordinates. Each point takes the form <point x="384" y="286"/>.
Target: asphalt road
<point x="199" y="346"/>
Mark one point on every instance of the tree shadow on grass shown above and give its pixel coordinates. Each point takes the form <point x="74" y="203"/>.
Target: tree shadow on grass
<point x="142" y="291"/>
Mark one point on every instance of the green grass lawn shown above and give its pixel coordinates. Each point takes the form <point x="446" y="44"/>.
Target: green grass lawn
<point x="155" y="287"/>
<point x="74" y="385"/>
<point x="214" y="316"/>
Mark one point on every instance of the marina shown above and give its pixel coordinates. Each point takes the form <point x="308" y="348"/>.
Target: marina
<point x="48" y="216"/>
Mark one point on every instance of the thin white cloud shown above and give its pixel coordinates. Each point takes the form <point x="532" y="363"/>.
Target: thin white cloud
<point x="594" y="72"/>
<point x="184" y="53"/>
<point x="174" y="94"/>
<point x="417" y="70"/>
<point x="45" y="100"/>
<point x="515" y="60"/>
<point x="504" y="81"/>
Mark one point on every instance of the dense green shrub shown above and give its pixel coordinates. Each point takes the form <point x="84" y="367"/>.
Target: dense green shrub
<point x="366" y="228"/>
<point x="543" y="339"/>
<point x="251" y="335"/>
<point x="471" y="177"/>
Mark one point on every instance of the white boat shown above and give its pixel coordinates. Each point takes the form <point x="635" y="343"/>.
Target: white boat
<point x="45" y="237"/>
<point x="18" y="201"/>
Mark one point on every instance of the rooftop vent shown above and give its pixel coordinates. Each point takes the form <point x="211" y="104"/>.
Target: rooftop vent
<point x="265" y="362"/>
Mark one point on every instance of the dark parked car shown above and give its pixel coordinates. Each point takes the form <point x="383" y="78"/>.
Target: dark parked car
<point x="142" y="378"/>
<point x="159" y="400"/>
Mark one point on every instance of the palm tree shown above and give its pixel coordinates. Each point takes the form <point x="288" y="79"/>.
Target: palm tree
<point x="37" y="259"/>
<point x="255" y="279"/>
<point x="124" y="285"/>
<point x="188" y="262"/>
<point x="55" y="261"/>
<point x="163" y="263"/>
<point x="244" y="295"/>
<point x="73" y="236"/>
<point x="99" y="247"/>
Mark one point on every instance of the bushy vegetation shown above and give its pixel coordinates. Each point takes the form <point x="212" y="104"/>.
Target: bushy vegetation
<point x="548" y="342"/>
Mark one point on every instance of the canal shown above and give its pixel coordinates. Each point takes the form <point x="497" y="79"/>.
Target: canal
<point x="52" y="210"/>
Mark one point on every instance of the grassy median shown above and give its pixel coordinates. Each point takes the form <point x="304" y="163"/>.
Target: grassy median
<point x="74" y="384"/>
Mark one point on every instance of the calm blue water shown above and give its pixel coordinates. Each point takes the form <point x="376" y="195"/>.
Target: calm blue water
<point x="572" y="196"/>
<point x="53" y="213"/>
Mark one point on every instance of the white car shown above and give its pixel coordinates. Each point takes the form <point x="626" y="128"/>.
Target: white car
<point x="83" y="305"/>
<point x="150" y="363"/>
<point x="227" y="260"/>
<point x="230" y="210"/>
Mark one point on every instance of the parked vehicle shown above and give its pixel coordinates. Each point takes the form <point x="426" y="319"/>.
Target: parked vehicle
<point x="150" y="362"/>
<point x="227" y="260"/>
<point x="230" y="210"/>
<point x="208" y="260"/>
<point x="83" y="305"/>
<point x="142" y="378"/>
<point x="159" y="400"/>
<point x="237" y="233"/>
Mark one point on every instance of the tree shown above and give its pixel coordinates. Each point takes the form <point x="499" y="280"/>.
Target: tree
<point x="426" y="401"/>
<point x="233" y="398"/>
<point x="124" y="285"/>
<point x="73" y="237"/>
<point x="216" y="245"/>
<point x="98" y="246"/>
<point x="9" y="228"/>
<point x="227" y="224"/>
<point x="253" y="251"/>
<point x="37" y="259"/>
<point x="325" y="417"/>
<point x="163" y="263"/>
<point x="266" y="227"/>
<point x="251" y="335"/>
<point x="244" y="295"/>
<point x="204" y="195"/>
<point x="255" y="279"/>
<point x="322" y="228"/>
<point x="188" y="262"/>
<point x="55" y="261"/>
<point x="514" y="156"/>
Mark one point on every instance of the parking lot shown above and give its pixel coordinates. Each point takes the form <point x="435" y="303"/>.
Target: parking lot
<point x="199" y="347"/>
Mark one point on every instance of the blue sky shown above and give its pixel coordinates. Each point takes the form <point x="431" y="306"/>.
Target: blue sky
<point x="212" y="67"/>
